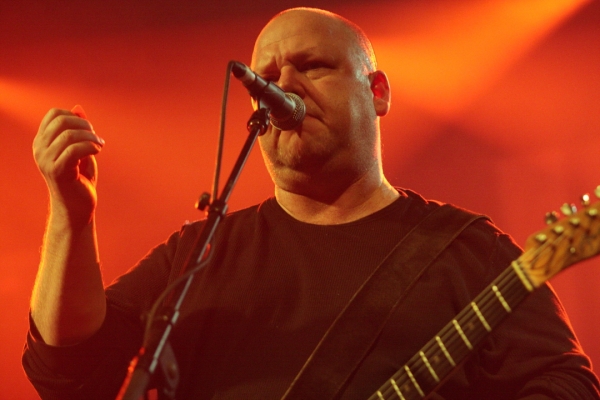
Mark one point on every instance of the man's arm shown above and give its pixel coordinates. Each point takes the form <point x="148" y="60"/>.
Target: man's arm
<point x="68" y="303"/>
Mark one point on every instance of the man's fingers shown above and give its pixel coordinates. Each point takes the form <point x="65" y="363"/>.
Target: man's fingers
<point x="45" y="156"/>
<point x="67" y="162"/>
<point x="71" y="137"/>
<point x="50" y="116"/>
<point x="56" y="122"/>
<point x="89" y="168"/>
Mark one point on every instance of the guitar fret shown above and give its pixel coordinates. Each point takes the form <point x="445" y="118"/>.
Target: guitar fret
<point x="480" y="316"/>
<point x="445" y="351"/>
<point x="398" y="392"/>
<point x="380" y="395"/>
<point x="501" y="298"/>
<point x="414" y="381"/>
<point x="431" y="371"/>
<point x="515" y="265"/>
<point x="462" y="334"/>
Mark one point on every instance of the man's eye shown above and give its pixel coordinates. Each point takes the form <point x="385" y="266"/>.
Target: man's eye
<point x="313" y="65"/>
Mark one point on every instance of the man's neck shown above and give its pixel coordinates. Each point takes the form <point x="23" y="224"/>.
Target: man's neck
<point x="359" y="200"/>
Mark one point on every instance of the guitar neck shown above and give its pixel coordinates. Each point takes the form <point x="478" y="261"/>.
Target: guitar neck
<point x="427" y="369"/>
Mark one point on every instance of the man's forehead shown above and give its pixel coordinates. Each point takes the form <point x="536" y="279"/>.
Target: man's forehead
<point x="301" y="18"/>
<point x="293" y="26"/>
<point x="301" y="31"/>
<point x="297" y="41"/>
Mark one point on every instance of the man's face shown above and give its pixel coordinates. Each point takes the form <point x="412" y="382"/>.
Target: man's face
<point x="317" y="58"/>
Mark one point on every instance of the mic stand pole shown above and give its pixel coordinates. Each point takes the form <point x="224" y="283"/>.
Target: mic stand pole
<point x="157" y="351"/>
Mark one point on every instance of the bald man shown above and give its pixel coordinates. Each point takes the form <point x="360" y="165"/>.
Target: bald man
<point x="282" y="271"/>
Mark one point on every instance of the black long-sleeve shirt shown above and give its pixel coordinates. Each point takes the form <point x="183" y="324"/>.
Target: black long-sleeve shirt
<point x="274" y="285"/>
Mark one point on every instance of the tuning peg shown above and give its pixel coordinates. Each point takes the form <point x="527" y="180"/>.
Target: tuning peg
<point x="551" y="217"/>
<point x="568" y="209"/>
<point x="585" y="200"/>
<point x="597" y="191"/>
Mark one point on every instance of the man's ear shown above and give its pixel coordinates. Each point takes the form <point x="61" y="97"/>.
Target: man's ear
<point x="380" y="86"/>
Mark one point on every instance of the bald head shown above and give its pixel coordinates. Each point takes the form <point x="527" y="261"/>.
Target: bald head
<point x="332" y="24"/>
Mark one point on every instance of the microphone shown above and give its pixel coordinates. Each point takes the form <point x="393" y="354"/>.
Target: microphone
<point x="287" y="110"/>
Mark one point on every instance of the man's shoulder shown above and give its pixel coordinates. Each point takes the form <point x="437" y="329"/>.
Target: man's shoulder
<point x="420" y="202"/>
<point x="482" y="229"/>
<point x="418" y="207"/>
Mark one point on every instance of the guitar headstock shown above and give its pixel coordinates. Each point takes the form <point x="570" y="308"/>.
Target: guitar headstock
<point x="566" y="241"/>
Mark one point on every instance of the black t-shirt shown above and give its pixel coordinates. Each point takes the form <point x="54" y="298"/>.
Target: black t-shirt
<point x="274" y="285"/>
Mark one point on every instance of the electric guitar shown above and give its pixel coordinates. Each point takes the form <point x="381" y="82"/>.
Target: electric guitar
<point x="564" y="242"/>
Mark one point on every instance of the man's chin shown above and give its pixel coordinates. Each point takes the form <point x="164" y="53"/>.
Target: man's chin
<point x="302" y="160"/>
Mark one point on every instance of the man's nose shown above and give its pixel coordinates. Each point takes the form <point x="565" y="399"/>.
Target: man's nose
<point x="291" y="80"/>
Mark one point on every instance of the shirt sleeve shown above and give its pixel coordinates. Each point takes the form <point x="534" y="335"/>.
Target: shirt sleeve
<point x="538" y="344"/>
<point x="534" y="352"/>
<point x="96" y="367"/>
<point x="93" y="369"/>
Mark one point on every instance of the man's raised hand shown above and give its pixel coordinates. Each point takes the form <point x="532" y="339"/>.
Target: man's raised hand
<point x="64" y="150"/>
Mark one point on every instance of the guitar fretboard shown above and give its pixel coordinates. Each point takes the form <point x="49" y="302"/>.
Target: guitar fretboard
<point x="437" y="359"/>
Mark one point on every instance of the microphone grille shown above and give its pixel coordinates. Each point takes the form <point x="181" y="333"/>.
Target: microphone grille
<point x="295" y="119"/>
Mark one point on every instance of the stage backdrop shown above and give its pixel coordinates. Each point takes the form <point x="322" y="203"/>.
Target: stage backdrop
<point x="495" y="107"/>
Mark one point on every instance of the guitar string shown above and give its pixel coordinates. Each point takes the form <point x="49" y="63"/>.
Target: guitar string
<point x="510" y="287"/>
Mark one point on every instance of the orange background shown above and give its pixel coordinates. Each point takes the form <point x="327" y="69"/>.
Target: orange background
<point x="495" y="108"/>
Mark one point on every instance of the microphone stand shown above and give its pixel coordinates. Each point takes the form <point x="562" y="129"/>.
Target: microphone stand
<point x="157" y="351"/>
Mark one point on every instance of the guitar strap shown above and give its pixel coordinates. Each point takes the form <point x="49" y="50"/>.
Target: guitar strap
<point x="356" y="329"/>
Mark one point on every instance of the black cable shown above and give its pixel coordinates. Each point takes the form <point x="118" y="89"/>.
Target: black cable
<point x="215" y="190"/>
<point x="158" y="302"/>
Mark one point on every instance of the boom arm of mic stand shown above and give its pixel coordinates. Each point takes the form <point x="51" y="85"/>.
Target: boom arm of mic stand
<point x="158" y="351"/>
